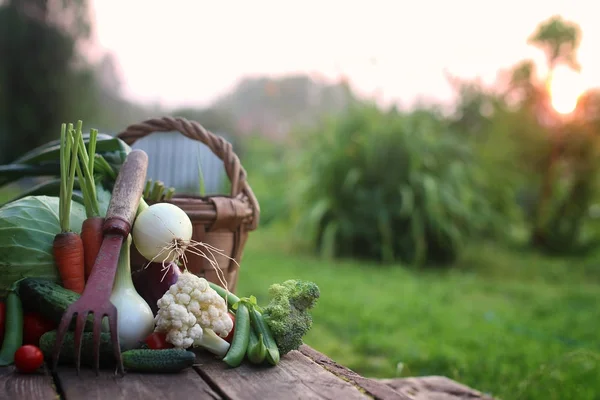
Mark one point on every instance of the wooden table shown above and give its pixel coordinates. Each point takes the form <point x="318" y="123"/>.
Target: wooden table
<point x="303" y="374"/>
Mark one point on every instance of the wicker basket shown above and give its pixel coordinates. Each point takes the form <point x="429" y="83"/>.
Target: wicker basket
<point x="221" y="221"/>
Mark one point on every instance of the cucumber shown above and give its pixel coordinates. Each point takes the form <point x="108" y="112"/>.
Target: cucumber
<point x="67" y="352"/>
<point x="49" y="299"/>
<point x="158" y="361"/>
<point x="46" y="297"/>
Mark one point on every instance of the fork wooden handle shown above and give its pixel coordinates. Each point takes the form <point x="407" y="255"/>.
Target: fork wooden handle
<point x="127" y="193"/>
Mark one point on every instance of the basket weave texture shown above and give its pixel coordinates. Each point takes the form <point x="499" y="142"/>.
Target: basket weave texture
<point x="222" y="221"/>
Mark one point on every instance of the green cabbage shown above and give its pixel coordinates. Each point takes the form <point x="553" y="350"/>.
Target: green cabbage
<point x="27" y="230"/>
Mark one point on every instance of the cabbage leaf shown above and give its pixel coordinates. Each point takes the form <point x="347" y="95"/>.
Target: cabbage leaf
<point x="27" y="230"/>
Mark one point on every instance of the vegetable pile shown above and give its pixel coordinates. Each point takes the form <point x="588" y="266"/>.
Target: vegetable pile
<point x="50" y="238"/>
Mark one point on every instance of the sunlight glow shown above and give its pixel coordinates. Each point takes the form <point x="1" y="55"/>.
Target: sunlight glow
<point x="565" y="89"/>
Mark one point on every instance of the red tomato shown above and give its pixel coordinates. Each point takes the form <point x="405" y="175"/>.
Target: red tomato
<point x="229" y="337"/>
<point x="157" y="341"/>
<point x="2" y="317"/>
<point x="34" y="326"/>
<point x="28" y="359"/>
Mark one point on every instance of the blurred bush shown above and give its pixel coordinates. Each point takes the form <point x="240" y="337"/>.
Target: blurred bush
<point x="569" y="188"/>
<point x="268" y="165"/>
<point x="414" y="187"/>
<point x="545" y="177"/>
<point x="544" y="166"/>
<point x="391" y="187"/>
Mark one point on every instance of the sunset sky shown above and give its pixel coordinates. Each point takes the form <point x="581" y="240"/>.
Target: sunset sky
<point x="186" y="52"/>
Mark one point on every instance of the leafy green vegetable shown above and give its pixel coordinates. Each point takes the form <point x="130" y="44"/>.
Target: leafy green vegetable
<point x="27" y="230"/>
<point x="12" y="172"/>
<point x="49" y="152"/>
<point x="103" y="195"/>
<point x="40" y="152"/>
<point x="51" y="187"/>
<point x="45" y="160"/>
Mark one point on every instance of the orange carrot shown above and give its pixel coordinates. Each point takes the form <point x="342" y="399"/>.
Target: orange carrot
<point x="91" y="236"/>
<point x="68" y="256"/>
<point x="91" y="229"/>
<point x="67" y="247"/>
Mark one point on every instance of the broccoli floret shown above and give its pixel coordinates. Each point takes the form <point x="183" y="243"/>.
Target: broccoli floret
<point x="288" y="312"/>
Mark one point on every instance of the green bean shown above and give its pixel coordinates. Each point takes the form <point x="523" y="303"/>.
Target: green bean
<point x="263" y="329"/>
<point x="241" y="336"/>
<point x="258" y="322"/>
<point x="257" y="351"/>
<point x="13" y="330"/>
<point x="229" y="297"/>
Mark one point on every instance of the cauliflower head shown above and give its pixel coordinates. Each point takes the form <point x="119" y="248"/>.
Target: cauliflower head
<point x="187" y="308"/>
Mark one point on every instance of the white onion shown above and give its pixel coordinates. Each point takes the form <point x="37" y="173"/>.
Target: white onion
<point x="135" y="319"/>
<point x="159" y="229"/>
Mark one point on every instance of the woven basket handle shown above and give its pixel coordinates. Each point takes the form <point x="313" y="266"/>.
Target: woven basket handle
<point x="219" y="146"/>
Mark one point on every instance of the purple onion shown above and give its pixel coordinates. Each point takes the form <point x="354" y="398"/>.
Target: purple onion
<point x="153" y="281"/>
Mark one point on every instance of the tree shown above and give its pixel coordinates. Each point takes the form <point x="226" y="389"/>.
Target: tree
<point x="41" y="77"/>
<point x="559" y="39"/>
<point x="523" y="87"/>
<point x="475" y="105"/>
<point x="569" y="168"/>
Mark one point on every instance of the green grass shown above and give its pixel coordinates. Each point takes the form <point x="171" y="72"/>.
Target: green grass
<point x="510" y="323"/>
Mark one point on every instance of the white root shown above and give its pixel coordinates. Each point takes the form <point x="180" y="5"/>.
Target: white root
<point x="167" y="269"/>
<point x="163" y="234"/>
<point x="180" y="249"/>
<point x="194" y="249"/>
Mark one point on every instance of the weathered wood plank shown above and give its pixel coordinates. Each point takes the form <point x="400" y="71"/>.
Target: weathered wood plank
<point x="295" y="377"/>
<point x="184" y="385"/>
<point x="374" y="388"/>
<point x="434" y="387"/>
<point x="15" y="386"/>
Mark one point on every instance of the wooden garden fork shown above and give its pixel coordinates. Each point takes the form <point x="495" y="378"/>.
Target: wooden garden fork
<point x="95" y="299"/>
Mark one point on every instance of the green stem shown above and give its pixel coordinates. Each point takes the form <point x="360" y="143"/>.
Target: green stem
<point x="84" y="191"/>
<point x="74" y="159"/>
<point x="68" y="144"/>
<point x="92" y="150"/>
<point x="100" y="162"/>
<point x="123" y="278"/>
<point x="202" y="186"/>
<point x="161" y="191"/>
<point x="65" y="219"/>
<point x="147" y="188"/>
<point x="82" y="179"/>
<point x="142" y="207"/>
<point x="225" y="294"/>
<point x="88" y="185"/>
<point x="169" y="194"/>
<point x="156" y="191"/>
<point x="99" y="167"/>
<point x="63" y="175"/>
